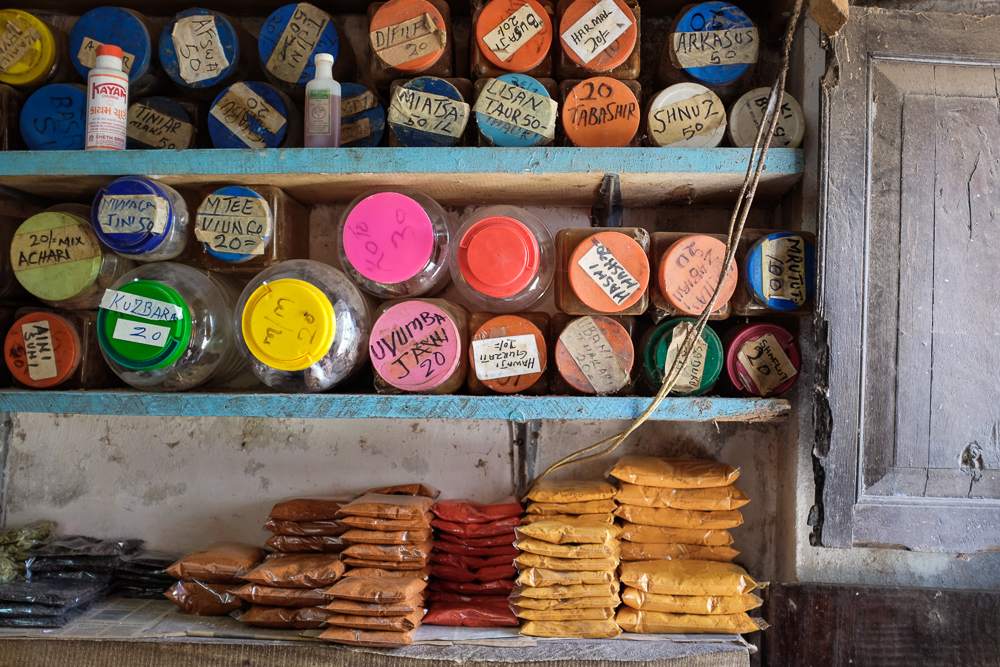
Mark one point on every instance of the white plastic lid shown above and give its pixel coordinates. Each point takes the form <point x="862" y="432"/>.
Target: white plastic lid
<point x="324" y="58"/>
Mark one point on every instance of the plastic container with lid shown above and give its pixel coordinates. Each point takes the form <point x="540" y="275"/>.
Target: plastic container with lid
<point x="660" y="347"/>
<point x="594" y="355"/>
<point x="128" y="30"/>
<point x="291" y="37"/>
<point x="503" y="260"/>
<point x="429" y="112"/>
<point x="54" y="117"/>
<point x="394" y="243"/>
<point x="141" y="219"/>
<point x="161" y="123"/>
<point x="508" y="353"/>
<point x="512" y="36"/>
<point x="688" y="269"/>
<point x="362" y="117"/>
<point x="57" y="256"/>
<point x="686" y="115"/>
<point x="242" y="230"/>
<point x="601" y="112"/>
<point x="252" y="114"/>
<point x="598" y="37"/>
<point x="418" y="346"/>
<point x="747" y="113"/>
<point x="779" y="270"/>
<point x="409" y="38"/>
<point x="515" y="110"/>
<point x="169" y="327"/>
<point x="602" y="272"/>
<point x="32" y="52"/>
<point x="302" y="326"/>
<point x="762" y="359"/>
<point x="47" y="348"/>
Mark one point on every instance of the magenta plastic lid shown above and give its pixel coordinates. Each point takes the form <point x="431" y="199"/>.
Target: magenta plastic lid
<point x="388" y="237"/>
<point x="770" y="362"/>
<point x="415" y="346"/>
<point x="499" y="256"/>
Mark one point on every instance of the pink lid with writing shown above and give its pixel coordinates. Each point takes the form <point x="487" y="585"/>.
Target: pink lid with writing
<point x="388" y="237"/>
<point x="414" y="346"/>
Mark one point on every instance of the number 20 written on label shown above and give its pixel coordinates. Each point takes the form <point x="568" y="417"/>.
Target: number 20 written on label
<point x="141" y="332"/>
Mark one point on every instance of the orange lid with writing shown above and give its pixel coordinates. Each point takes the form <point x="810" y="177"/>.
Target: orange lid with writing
<point x="508" y="354"/>
<point x="514" y="35"/>
<point x="403" y="39"/>
<point x="690" y="270"/>
<point x="599" y="35"/>
<point x="42" y="350"/>
<point x="601" y="112"/>
<point x="609" y="272"/>
<point x="594" y="354"/>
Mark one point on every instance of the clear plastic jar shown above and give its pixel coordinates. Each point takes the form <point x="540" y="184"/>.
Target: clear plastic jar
<point x="169" y="327"/>
<point x="57" y="256"/>
<point x="47" y="348"/>
<point x="303" y="326"/>
<point x="660" y="347"/>
<point x="504" y="259"/>
<point x="602" y="272"/>
<point x="10" y="287"/>
<point x="141" y="219"/>
<point x="394" y="243"/>
<point x="508" y="353"/>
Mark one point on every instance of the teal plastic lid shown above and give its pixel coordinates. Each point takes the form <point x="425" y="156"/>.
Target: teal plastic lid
<point x="143" y="325"/>
<point x="710" y="365"/>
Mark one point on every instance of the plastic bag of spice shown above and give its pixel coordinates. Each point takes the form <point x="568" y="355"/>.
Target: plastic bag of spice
<point x="405" y="566"/>
<point x="54" y="564"/>
<point x="535" y="576"/>
<point x="475" y="530"/>
<point x="222" y="563"/>
<point x="468" y="511"/>
<point x="654" y="622"/>
<point x="565" y="603"/>
<point x="204" y="599"/>
<point x="298" y="544"/>
<point x="376" y="572"/>
<point x="355" y="608"/>
<point x="386" y="506"/>
<point x="583" y="507"/>
<point x="550" y="563"/>
<point x="492" y="541"/>
<point x="449" y="573"/>
<point x="671" y="518"/>
<point x="479" y="552"/>
<point x="360" y="536"/>
<point x="557" y="532"/>
<point x="531" y="545"/>
<point x="59" y="621"/>
<point x="303" y="618"/>
<point x="633" y="532"/>
<point x="609" y="589"/>
<point x="306" y="528"/>
<point x="307" y="509"/>
<point x="383" y="590"/>
<point x="372" y="523"/>
<point x="409" y="621"/>
<point x="578" y="628"/>
<point x="673" y="473"/>
<point x="469" y="562"/>
<point x="690" y="604"/>
<point x="499" y="587"/>
<point x="274" y="596"/>
<point x="687" y="577"/>
<point x="370" y="638"/>
<point x="16" y="539"/>
<point x="488" y="600"/>
<point x="593" y="614"/>
<point x="11" y="569"/>
<point x="401" y="553"/>
<point x="631" y="551"/>
<point x="297" y="571"/>
<point x="707" y="499"/>
<point x="606" y="518"/>
<point x="571" y="491"/>
<point x="406" y="490"/>
<point x="470" y="615"/>
<point x="81" y="545"/>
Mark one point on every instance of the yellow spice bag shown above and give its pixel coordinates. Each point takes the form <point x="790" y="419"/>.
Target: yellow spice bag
<point x="712" y="498"/>
<point x="583" y="629"/>
<point x="606" y="518"/>
<point x="673" y="473"/>
<point x="671" y="518"/>
<point x="595" y="614"/>
<point x="571" y="491"/>
<point x="646" y="551"/>
<point x="687" y="577"/>
<point x="558" y="532"/>
<point x="690" y="604"/>
<point x="575" y="591"/>
<point x="655" y="622"/>
<point x="536" y="576"/>
<point x="525" y="560"/>
<point x="531" y="545"/>
<point x="584" y="507"/>
<point x="566" y="603"/>
<point x="633" y="532"/>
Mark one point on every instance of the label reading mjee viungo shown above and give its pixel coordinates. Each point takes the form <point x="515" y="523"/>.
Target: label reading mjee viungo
<point x="596" y="30"/>
<point x="693" y="370"/>
<point x="766" y="363"/>
<point x="609" y="274"/>
<point x="506" y="356"/>
<point x="234" y="224"/>
<point x="783" y="269"/>
<point x="38" y="350"/>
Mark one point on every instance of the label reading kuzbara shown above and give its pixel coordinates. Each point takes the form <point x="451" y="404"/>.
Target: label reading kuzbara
<point x="140" y="306"/>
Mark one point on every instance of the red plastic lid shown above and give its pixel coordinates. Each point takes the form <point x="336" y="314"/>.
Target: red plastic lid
<point x="109" y="50"/>
<point x="49" y="356"/>
<point x="499" y="256"/>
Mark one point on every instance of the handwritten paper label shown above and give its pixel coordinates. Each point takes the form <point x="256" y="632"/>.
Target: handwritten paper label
<point x="152" y="128"/>
<point x="140" y="306"/>
<point x="33" y="250"/>
<point x="358" y="103"/>
<point x="87" y="55"/>
<point x="692" y="272"/>
<point x="141" y="332"/>
<point x="297" y="42"/>
<point x="517" y="111"/>
<point x="38" y="350"/>
<point x="594" y="355"/>
<point x="613" y="278"/>
<point x="234" y="224"/>
<point x="408" y="40"/>
<point x="596" y="30"/>
<point x="200" y="55"/>
<point x="414" y="346"/>
<point x="507" y="356"/>
<point x="16" y="41"/>
<point x="238" y="105"/>
<point x="701" y="115"/>
<point x="783" y="269"/>
<point x="514" y="32"/>
<point x="735" y="46"/>
<point x="766" y="363"/>
<point x="356" y="131"/>
<point x="689" y="380"/>
<point x="133" y="214"/>
<point x="429" y="112"/>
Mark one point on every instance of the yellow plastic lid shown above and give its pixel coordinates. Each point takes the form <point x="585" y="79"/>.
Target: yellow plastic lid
<point x="288" y="324"/>
<point x="32" y="48"/>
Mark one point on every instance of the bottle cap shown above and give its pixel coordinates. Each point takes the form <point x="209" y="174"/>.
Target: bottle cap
<point x="594" y="355"/>
<point x="248" y="114"/>
<point x="132" y="215"/>
<point x="54" y="118"/>
<point x="42" y="350"/>
<point x="324" y="58"/>
<point x="609" y="272"/>
<point x="719" y="59"/>
<point x="499" y="256"/>
<point x="761" y="362"/>
<point x="415" y="346"/>
<point x="598" y="35"/>
<point x="29" y="56"/>
<point x="55" y="255"/>
<point x="199" y="49"/>
<point x="710" y="366"/>
<point x="388" y="237"/>
<point x="402" y="37"/>
<point x="686" y="115"/>
<point x="779" y="271"/>
<point x="514" y="35"/>
<point x="689" y="273"/>
<point x="601" y="112"/>
<point x="362" y="120"/>
<point x="421" y="119"/>
<point x="106" y="26"/>
<point x="511" y="97"/>
<point x="746" y="115"/>
<point x="508" y="354"/>
<point x="310" y="28"/>
<point x="288" y="324"/>
<point x="142" y="344"/>
<point x="109" y="50"/>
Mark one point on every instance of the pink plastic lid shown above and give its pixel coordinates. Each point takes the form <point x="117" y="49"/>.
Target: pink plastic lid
<point x="388" y="237"/>
<point x="498" y="256"/>
<point x="415" y="346"/>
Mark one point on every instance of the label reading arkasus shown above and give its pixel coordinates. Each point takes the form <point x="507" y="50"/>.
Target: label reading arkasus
<point x="735" y="46"/>
<point x="234" y="224"/>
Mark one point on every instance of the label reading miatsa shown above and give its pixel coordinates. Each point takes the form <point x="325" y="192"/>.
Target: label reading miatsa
<point x="415" y="346"/>
<point x="766" y="363"/>
<point x="200" y="55"/>
<point x="609" y="274"/>
<point x="38" y="350"/>
<point x="705" y="48"/>
<point x="681" y="121"/>
<point x="16" y="41"/>
<point x="429" y="112"/>
<point x="240" y="103"/>
<point x="594" y="355"/>
<point x="140" y="306"/>
<point x="596" y="30"/>
<point x="51" y="247"/>
<point x="357" y="103"/>
<point x="691" y="373"/>
<point x="143" y="333"/>
<point x="514" y="32"/>
<point x="133" y="214"/>
<point x="783" y="269"/>
<point x="407" y="40"/>
<point x="87" y="55"/>
<point x="517" y="111"/>
<point x="298" y="40"/>
<point x="506" y="356"/>
<point x="355" y="131"/>
<point x="152" y="128"/>
<point x="234" y="224"/>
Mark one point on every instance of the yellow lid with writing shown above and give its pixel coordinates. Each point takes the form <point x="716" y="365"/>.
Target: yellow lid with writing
<point x="27" y="48"/>
<point x="288" y="324"/>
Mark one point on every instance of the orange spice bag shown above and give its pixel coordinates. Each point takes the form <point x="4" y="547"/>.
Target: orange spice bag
<point x="582" y="507"/>
<point x="687" y="577"/>
<point x="577" y="628"/>
<point x="631" y="551"/>
<point x="222" y="563"/>
<point x="707" y="499"/>
<point x="297" y="571"/>
<point x="558" y="532"/>
<point x="690" y="604"/>
<point x="671" y="518"/>
<point x="571" y="491"/>
<point x="371" y="638"/>
<point x="654" y="622"/>
<point x="661" y="535"/>
<point x="673" y="473"/>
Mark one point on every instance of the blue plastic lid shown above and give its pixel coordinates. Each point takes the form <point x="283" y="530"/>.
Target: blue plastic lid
<point x="754" y="274"/>
<point x="371" y="119"/>
<point x="223" y="136"/>
<point x="54" y="118"/>
<point x="139" y="214"/>
<point x="272" y="33"/>
<point x="227" y="42"/>
<point x="268" y="226"/>
<point x="159" y="123"/>
<point x="715" y="16"/>
<point x="111" y="25"/>
<point x="415" y="137"/>
<point x="512" y="135"/>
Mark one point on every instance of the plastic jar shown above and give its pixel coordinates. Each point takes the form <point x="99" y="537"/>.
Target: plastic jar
<point x="291" y="37"/>
<point x="512" y="36"/>
<point x="746" y="114"/>
<point x="595" y="38"/>
<point x="779" y="272"/>
<point x="35" y="53"/>
<point x="503" y="261"/>
<point x="660" y="347"/>
<point x="394" y="243"/>
<point x="403" y="43"/>
<point x="125" y="28"/>
<point x="11" y="288"/>
<point x="303" y="326"/>
<point x="168" y="327"/>
<point x="11" y="102"/>
<point x="418" y="346"/>
<point x="508" y="353"/>
<point x="602" y="272"/>
<point x="515" y="111"/>
<point x="428" y="112"/>
<point x="688" y="273"/>
<point x="594" y="355"/>
<point x="686" y="115"/>
<point x="601" y="112"/>
<point x="762" y="359"/>
<point x="252" y="114"/>
<point x="57" y="256"/>
<point x="46" y="348"/>
<point x="362" y="117"/>
<point x="160" y="123"/>
<point x="54" y="118"/>
<point x="141" y="219"/>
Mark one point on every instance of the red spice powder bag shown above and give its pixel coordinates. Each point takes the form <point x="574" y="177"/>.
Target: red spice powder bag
<point x="297" y="571"/>
<point x="273" y="596"/>
<point x="293" y="544"/>
<point x="481" y="600"/>
<point x="469" y="562"/>
<point x="304" y="618"/>
<point x="323" y="528"/>
<point x="481" y="552"/>
<point x="469" y="511"/>
<point x="470" y="615"/>
<point x="489" y="529"/>
<point x="201" y="599"/>
<point x="484" y="574"/>
<point x="499" y="587"/>
<point x="493" y="541"/>
<point x="222" y="563"/>
<point x="307" y="509"/>
<point x="371" y="638"/>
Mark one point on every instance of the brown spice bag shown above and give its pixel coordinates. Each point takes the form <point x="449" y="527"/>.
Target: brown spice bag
<point x="574" y="591"/>
<point x="571" y="491"/>
<point x="419" y="573"/>
<point x="272" y="596"/>
<point x="201" y="599"/>
<point x="371" y="523"/>
<point x="687" y="577"/>
<point x="385" y="506"/>
<point x="371" y="638"/>
<point x="660" y="535"/>
<point x="222" y="563"/>
<point x="306" y="544"/>
<point x="530" y="545"/>
<point x="558" y="532"/>
<point x="595" y="614"/>
<point x="607" y="518"/>
<point x="304" y="618"/>
<point x="354" y="608"/>
<point x="381" y="590"/>
<point x="578" y="628"/>
<point x="323" y="528"/>
<point x="704" y="500"/>
<point x="307" y="509"/>
<point x="585" y="507"/>
<point x="406" y="490"/>
<point x="673" y="473"/>
<point x="536" y="576"/>
<point x="690" y="604"/>
<point x="360" y="536"/>
<point x="549" y="563"/>
<point x="406" y="567"/>
<point x="632" y="551"/>
<point x="297" y="571"/>
<point x="654" y="622"/>
<point x="671" y="518"/>
<point x="402" y="553"/>
<point x="410" y="621"/>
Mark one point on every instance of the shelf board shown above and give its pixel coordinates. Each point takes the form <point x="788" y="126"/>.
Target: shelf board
<point x="360" y="406"/>
<point x="564" y="176"/>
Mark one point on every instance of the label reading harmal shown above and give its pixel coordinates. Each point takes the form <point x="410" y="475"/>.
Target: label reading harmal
<point x="596" y="30"/>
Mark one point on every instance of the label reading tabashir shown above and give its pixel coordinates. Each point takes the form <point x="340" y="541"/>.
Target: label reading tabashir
<point x="507" y="356"/>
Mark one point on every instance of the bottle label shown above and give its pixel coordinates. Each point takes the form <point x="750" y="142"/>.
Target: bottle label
<point x="141" y="306"/>
<point x="133" y="214"/>
<point x="233" y="224"/>
<point x="782" y="264"/>
<point x="51" y="247"/>
<point x="736" y="46"/>
<point x="596" y="30"/>
<point x="415" y="346"/>
<point x="38" y="350"/>
<point x="766" y="363"/>
<point x="408" y="40"/>
<point x="107" y="111"/>
<point x="319" y="111"/>
<point x="152" y="128"/>
<point x="298" y="40"/>
<point x="516" y="111"/>
<point x="513" y="32"/>
<point x="241" y="105"/>
<point x="682" y="121"/>
<point x="594" y="355"/>
<point x="693" y="370"/>
<point x="16" y="41"/>
<point x="356" y="131"/>
<point x="87" y="55"/>
<point x="610" y="275"/>
<point x="143" y="333"/>
<point x="200" y="55"/>
<point x="429" y="112"/>
<point x="357" y="103"/>
<point x="507" y="356"/>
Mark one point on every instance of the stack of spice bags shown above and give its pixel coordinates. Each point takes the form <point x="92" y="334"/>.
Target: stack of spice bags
<point x="472" y="571"/>
<point x="567" y="586"/>
<point x="289" y="590"/>
<point x="210" y="578"/>
<point x="379" y="602"/>
<point x="306" y="525"/>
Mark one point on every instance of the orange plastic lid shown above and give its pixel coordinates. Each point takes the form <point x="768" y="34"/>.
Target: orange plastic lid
<point x="594" y="354"/>
<point x="514" y="35"/>
<point x="508" y="354"/>
<point x="498" y="256"/>
<point x="599" y="35"/>
<point x="601" y="112"/>
<point x="690" y="270"/>
<point x="401" y="37"/>
<point x="609" y="272"/>
<point x="42" y="350"/>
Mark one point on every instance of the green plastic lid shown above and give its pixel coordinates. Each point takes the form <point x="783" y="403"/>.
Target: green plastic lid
<point x="143" y="325"/>
<point x="705" y="368"/>
<point x="55" y="255"/>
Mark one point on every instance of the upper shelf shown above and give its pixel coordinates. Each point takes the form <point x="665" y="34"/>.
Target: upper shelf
<point x="564" y="176"/>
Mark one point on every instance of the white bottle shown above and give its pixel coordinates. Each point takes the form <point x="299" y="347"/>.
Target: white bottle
<point x="323" y="106"/>
<point x="107" y="101"/>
